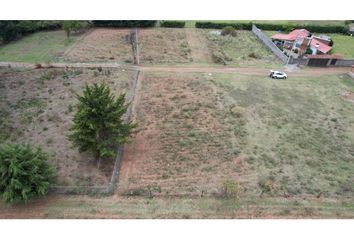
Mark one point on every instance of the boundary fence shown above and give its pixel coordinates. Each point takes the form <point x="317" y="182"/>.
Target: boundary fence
<point x="268" y="42"/>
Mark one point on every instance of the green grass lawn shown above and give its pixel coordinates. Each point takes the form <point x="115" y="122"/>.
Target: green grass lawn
<point x="37" y="47"/>
<point x="343" y="44"/>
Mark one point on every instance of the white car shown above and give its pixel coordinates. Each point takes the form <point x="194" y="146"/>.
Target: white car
<point x="277" y="75"/>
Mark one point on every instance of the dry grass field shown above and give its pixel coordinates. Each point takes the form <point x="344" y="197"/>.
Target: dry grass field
<point x="102" y="45"/>
<point x="164" y="46"/>
<point x="287" y="138"/>
<point x="37" y="106"/>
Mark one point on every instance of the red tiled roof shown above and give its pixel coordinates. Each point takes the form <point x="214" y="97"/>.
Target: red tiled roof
<point x="322" y="47"/>
<point x="291" y="36"/>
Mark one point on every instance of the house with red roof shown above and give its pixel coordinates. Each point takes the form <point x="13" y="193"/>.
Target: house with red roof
<point x="301" y="40"/>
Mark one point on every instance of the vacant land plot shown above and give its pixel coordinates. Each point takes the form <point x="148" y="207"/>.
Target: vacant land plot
<point x="38" y="47"/>
<point x="37" y="106"/>
<point x="291" y="138"/>
<point x="244" y="50"/>
<point x="163" y="46"/>
<point x="102" y="45"/>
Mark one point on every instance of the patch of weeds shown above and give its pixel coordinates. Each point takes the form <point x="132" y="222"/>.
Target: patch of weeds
<point x="46" y="76"/>
<point x="266" y="186"/>
<point x="230" y="189"/>
<point x="70" y="108"/>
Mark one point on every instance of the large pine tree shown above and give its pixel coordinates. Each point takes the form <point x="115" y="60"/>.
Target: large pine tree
<point x="98" y="125"/>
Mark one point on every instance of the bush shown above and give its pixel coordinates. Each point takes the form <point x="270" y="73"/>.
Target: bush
<point x="309" y="51"/>
<point x="230" y="189"/>
<point x="237" y="111"/>
<point x="266" y="186"/>
<point x="173" y="24"/>
<point x="229" y="30"/>
<point x="124" y="23"/>
<point x="254" y="55"/>
<point x="24" y="173"/>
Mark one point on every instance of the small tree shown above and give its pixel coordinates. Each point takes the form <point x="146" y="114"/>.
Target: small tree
<point x="24" y="173"/>
<point x="229" y="30"/>
<point x="74" y="26"/>
<point x="98" y="125"/>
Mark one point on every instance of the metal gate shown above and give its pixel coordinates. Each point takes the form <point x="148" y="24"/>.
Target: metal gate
<point x="318" y="62"/>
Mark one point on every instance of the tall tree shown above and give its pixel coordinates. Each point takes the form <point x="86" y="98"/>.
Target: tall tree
<point x="98" y="126"/>
<point x="74" y="26"/>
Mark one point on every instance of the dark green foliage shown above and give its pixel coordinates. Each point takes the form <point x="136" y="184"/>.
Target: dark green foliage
<point x="24" y="173"/>
<point x="308" y="51"/>
<point x="173" y="24"/>
<point x="276" y="27"/>
<point x="12" y="30"/>
<point x="220" y="25"/>
<point x="331" y="43"/>
<point x="75" y="26"/>
<point x="229" y="30"/>
<point x="98" y="126"/>
<point x="124" y="23"/>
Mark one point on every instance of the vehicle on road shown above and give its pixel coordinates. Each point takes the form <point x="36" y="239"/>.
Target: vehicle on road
<point x="277" y="74"/>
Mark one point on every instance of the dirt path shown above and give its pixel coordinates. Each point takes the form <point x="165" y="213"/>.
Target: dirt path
<point x="128" y="160"/>
<point x="246" y="71"/>
<point x="198" y="46"/>
<point x="190" y="68"/>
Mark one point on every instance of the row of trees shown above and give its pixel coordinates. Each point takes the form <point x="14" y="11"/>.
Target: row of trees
<point x="13" y="30"/>
<point x="98" y="127"/>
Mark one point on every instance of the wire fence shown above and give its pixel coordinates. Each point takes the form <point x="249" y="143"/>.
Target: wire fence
<point x="268" y="42"/>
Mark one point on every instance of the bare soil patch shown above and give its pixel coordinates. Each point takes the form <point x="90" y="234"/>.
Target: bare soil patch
<point x="102" y="45"/>
<point x="37" y="106"/>
<point x="163" y="46"/>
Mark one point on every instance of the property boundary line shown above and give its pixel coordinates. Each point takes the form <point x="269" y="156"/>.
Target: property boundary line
<point x="269" y="44"/>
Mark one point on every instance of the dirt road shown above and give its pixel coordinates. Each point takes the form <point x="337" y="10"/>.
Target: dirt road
<point x="189" y="68"/>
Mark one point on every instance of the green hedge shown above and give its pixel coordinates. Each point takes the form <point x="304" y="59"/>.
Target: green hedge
<point x="220" y="25"/>
<point x="12" y="30"/>
<point x="276" y="27"/>
<point x="124" y="23"/>
<point x="173" y="24"/>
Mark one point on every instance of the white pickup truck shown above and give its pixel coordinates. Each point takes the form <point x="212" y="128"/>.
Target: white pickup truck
<point x="277" y="75"/>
